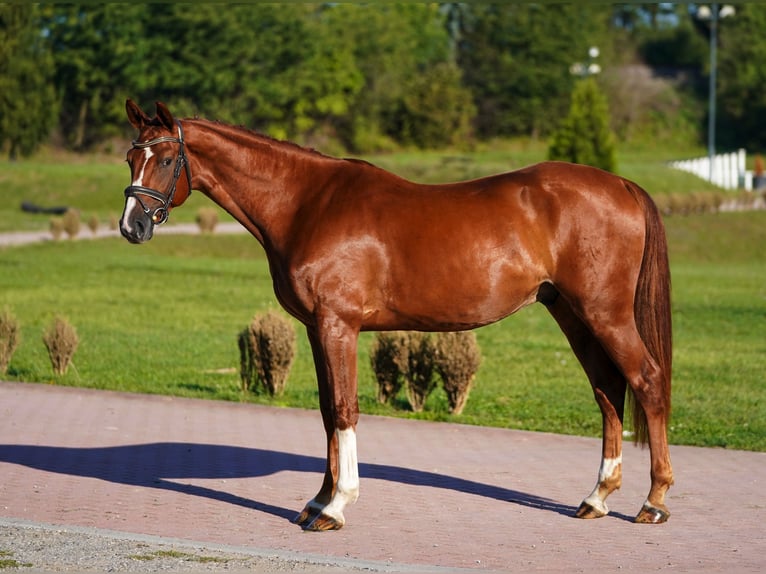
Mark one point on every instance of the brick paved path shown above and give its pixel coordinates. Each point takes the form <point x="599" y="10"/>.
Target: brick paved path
<point x="433" y="494"/>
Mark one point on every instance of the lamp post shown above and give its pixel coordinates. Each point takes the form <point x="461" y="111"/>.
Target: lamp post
<point x="713" y="14"/>
<point x="589" y="68"/>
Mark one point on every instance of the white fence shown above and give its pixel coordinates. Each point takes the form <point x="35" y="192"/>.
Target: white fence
<point x="728" y="170"/>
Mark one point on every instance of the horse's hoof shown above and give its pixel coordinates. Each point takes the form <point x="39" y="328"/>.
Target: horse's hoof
<point x="307" y="515"/>
<point x="323" y="522"/>
<point x="652" y="515"/>
<point x="587" y="510"/>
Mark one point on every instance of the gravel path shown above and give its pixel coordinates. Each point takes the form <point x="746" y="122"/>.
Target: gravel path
<point x="36" y="548"/>
<point x="16" y="238"/>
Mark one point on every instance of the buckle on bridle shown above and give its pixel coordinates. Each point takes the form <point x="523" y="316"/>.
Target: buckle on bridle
<point x="161" y="213"/>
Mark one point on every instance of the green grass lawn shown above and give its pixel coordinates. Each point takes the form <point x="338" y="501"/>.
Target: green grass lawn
<point x="164" y="317"/>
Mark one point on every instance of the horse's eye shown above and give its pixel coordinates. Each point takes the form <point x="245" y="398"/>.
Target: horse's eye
<point x="166" y="162"/>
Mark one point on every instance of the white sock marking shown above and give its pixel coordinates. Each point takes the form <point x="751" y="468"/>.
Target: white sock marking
<point x="608" y="467"/>
<point x="348" y="475"/>
<point x="607" y="470"/>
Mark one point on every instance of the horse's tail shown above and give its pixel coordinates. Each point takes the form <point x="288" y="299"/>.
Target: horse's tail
<point x="652" y="307"/>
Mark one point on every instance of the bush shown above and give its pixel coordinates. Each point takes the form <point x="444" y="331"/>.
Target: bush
<point x="61" y="341"/>
<point x="389" y="357"/>
<point x="414" y="359"/>
<point x="9" y="338"/>
<point x="56" y="227"/>
<point x="248" y="372"/>
<point x="71" y="222"/>
<point x="207" y="219"/>
<point x="419" y="375"/>
<point x="93" y="224"/>
<point x="267" y="350"/>
<point x="457" y="360"/>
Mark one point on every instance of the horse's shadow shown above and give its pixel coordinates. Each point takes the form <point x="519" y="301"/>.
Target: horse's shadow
<point x="158" y="465"/>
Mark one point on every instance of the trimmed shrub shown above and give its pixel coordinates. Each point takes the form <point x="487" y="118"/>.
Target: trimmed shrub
<point x="93" y="224"/>
<point x="61" y="341"/>
<point x="207" y="219"/>
<point x="267" y="350"/>
<point x="248" y="373"/>
<point x="9" y="338"/>
<point x="71" y="221"/>
<point x="56" y="227"/>
<point x="389" y="358"/>
<point x="457" y="358"/>
<point x="420" y="369"/>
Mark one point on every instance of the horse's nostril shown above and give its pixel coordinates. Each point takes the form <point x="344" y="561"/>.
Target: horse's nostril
<point x="140" y="229"/>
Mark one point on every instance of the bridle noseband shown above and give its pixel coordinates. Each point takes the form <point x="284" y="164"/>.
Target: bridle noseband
<point x="159" y="215"/>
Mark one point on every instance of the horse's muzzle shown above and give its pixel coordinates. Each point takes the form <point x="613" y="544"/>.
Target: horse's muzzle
<point x="137" y="230"/>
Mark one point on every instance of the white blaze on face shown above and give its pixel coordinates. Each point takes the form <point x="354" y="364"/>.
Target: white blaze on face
<point x="147" y="156"/>
<point x="131" y="201"/>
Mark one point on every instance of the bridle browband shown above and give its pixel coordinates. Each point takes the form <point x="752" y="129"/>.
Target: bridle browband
<point x="159" y="215"/>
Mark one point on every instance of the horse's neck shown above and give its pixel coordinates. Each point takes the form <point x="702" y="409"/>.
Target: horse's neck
<point x="260" y="182"/>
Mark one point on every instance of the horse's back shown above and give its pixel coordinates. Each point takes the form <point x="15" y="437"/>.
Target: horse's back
<point x="465" y="254"/>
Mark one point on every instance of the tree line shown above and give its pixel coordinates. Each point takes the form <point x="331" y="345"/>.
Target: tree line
<point x="372" y="77"/>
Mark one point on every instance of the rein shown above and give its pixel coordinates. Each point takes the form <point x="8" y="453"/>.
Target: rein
<point x="159" y="215"/>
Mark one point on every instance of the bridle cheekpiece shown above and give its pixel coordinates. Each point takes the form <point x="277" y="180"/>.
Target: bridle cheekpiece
<point x="159" y="215"/>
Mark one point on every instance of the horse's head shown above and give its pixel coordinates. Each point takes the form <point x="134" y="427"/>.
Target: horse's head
<point x="156" y="161"/>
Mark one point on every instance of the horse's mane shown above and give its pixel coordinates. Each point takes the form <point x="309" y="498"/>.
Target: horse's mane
<point x="243" y="132"/>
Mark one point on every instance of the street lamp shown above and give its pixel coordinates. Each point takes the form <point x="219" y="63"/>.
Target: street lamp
<point x="589" y="68"/>
<point x="713" y="13"/>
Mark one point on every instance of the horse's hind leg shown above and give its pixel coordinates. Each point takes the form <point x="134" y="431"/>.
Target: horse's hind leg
<point x="622" y="342"/>
<point x="609" y="390"/>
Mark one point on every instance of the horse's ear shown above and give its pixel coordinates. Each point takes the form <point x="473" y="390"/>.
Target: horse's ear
<point x="164" y="115"/>
<point x="136" y="115"/>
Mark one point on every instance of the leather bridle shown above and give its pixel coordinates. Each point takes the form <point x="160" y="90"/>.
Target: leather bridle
<point x="159" y="214"/>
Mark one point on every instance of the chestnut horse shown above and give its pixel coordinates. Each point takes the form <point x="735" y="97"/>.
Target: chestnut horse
<point x="352" y="247"/>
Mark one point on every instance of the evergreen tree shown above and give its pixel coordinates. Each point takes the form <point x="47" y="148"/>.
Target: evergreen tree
<point x="584" y="135"/>
<point x="742" y="78"/>
<point x="27" y="93"/>
<point x="515" y="59"/>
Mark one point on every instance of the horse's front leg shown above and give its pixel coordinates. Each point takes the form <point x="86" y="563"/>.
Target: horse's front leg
<point x="334" y="350"/>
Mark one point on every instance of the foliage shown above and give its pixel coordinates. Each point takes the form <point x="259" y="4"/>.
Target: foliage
<point x="27" y="94"/>
<point x="56" y="227"/>
<point x="457" y="358"/>
<point x="516" y="60"/>
<point x="9" y="338"/>
<point x="389" y="357"/>
<point x="207" y="219"/>
<point x="364" y="77"/>
<point x="742" y="77"/>
<point x="93" y="224"/>
<point x="98" y="58"/>
<point x="267" y="350"/>
<point x="584" y="136"/>
<point x="61" y="340"/>
<point x="436" y="110"/>
<point x="419" y="377"/>
<point x="415" y="358"/>
<point x="71" y="222"/>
